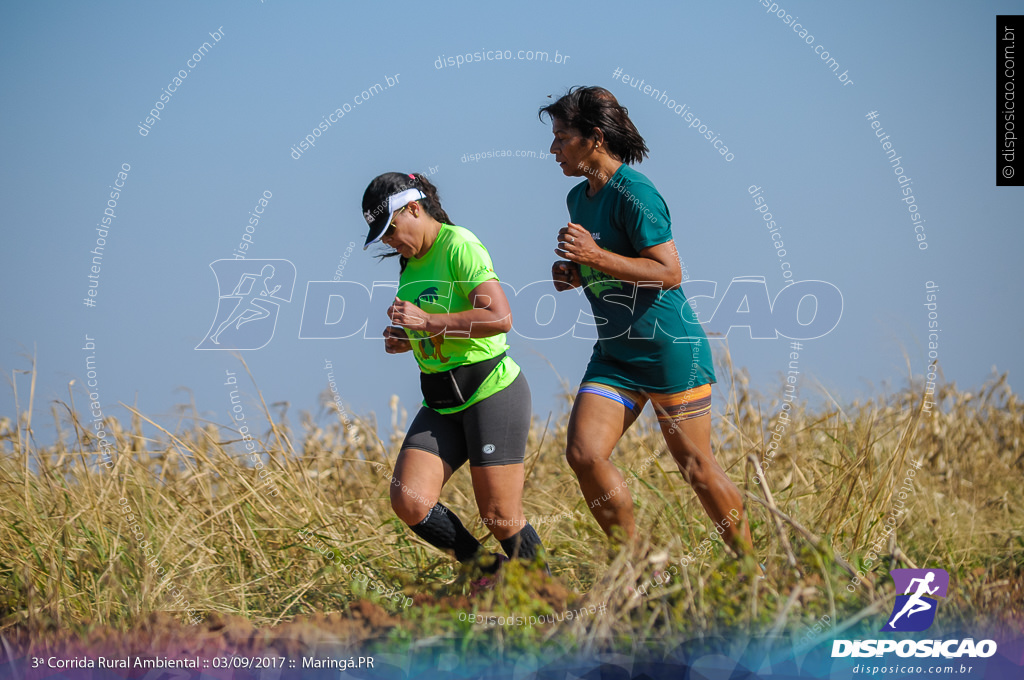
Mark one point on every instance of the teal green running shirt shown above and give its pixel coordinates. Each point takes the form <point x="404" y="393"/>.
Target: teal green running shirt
<point x="648" y="339"/>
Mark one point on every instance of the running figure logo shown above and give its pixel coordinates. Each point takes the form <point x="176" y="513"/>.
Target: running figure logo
<point x="914" y="610"/>
<point x="247" y="316"/>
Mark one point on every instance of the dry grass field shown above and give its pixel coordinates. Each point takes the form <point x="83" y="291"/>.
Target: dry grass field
<point x="318" y="552"/>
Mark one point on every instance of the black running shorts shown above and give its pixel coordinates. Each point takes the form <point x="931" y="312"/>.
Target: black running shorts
<point x="490" y="432"/>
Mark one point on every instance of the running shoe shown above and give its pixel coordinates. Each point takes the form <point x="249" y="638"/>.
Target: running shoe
<point x="490" y="565"/>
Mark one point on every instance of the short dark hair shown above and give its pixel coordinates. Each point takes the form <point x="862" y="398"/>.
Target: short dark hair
<point x="585" y="108"/>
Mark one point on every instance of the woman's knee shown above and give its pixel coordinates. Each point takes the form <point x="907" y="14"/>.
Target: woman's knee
<point x="696" y="471"/>
<point x="502" y="522"/>
<point x="410" y="506"/>
<point x="701" y="475"/>
<point x="581" y="457"/>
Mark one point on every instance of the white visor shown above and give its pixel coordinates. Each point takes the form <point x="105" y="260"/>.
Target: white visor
<point x="395" y="203"/>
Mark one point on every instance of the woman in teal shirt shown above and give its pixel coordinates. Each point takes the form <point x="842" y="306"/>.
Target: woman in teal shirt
<point x="618" y="245"/>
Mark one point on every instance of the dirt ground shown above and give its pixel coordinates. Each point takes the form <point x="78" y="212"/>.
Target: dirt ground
<point x="168" y="635"/>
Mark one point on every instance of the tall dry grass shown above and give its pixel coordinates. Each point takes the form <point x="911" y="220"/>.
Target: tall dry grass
<point x="227" y="546"/>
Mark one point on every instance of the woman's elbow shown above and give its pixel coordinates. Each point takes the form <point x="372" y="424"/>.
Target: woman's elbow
<point x="504" y="325"/>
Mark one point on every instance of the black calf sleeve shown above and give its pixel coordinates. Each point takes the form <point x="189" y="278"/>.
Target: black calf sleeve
<point x="442" y="529"/>
<point x="523" y="545"/>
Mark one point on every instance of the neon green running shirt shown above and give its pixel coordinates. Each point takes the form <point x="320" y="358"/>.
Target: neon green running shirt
<point x="440" y="282"/>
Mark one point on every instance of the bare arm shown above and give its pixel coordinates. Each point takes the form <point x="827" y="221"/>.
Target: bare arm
<point x="490" y="315"/>
<point x="657" y="264"/>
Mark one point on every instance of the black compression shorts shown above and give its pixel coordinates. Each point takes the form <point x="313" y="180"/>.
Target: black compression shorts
<point x="490" y="432"/>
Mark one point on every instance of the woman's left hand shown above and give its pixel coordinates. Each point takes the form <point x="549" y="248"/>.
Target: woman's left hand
<point x="577" y="245"/>
<point x="408" y="315"/>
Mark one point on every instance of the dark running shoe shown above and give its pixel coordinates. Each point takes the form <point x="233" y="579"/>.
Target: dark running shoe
<point x="490" y="565"/>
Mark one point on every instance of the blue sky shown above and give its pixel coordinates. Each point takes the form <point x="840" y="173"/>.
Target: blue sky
<point x="81" y="78"/>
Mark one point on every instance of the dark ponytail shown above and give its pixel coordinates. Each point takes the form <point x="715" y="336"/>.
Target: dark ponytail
<point x="391" y="183"/>
<point x="432" y="203"/>
<point x="586" y="108"/>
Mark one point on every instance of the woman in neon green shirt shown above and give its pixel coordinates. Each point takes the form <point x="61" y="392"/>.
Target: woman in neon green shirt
<point x="452" y="314"/>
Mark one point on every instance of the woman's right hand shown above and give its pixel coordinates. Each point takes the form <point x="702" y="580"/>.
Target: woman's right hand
<point x="396" y="340"/>
<point x="566" y="275"/>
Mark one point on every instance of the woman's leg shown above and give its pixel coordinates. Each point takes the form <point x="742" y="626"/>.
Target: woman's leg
<point x="416" y="484"/>
<point x="595" y="426"/>
<point x="689" y="440"/>
<point x="499" y="494"/>
<point x="496" y="432"/>
<point x="419" y="475"/>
